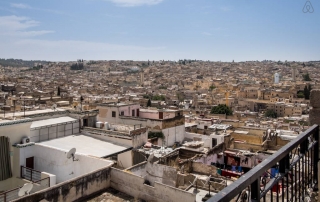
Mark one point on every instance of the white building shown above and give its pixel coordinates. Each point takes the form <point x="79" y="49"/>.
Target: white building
<point x="169" y="122"/>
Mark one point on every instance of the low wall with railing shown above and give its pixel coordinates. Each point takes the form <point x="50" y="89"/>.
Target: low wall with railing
<point x="73" y="190"/>
<point x="12" y="194"/>
<point x="30" y="174"/>
<point x="290" y="174"/>
<point x="134" y="185"/>
<point x="34" y="175"/>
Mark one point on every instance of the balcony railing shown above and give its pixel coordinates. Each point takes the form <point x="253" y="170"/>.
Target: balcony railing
<point x="13" y="193"/>
<point x="30" y="174"/>
<point x="290" y="174"/>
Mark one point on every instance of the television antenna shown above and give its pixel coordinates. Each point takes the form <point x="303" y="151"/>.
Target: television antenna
<point x="193" y="183"/>
<point x="207" y="182"/>
<point x="25" y="190"/>
<point x="71" y="153"/>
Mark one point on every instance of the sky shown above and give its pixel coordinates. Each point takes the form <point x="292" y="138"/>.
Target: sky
<point x="215" y="30"/>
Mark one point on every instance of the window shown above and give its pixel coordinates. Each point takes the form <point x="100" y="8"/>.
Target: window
<point x="214" y="142"/>
<point x="113" y="114"/>
<point x="122" y="113"/>
<point x="133" y="112"/>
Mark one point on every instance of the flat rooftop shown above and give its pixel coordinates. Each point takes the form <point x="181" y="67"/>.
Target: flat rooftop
<point x="28" y="113"/>
<point x="53" y="121"/>
<point x="85" y="145"/>
<point x="200" y="193"/>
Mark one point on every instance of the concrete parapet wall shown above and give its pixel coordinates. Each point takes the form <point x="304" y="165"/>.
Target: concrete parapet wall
<point x="204" y="169"/>
<point x="73" y="190"/>
<point x="134" y="186"/>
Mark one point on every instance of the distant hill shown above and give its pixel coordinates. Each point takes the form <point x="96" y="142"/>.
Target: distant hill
<point x="20" y="63"/>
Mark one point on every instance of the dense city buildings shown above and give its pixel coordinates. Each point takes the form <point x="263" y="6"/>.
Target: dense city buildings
<point x="149" y="130"/>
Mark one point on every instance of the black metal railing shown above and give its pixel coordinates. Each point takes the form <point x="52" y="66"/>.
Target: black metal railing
<point x="290" y="174"/>
<point x="30" y="174"/>
<point x="13" y="193"/>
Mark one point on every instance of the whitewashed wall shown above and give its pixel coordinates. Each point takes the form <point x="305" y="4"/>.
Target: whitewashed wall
<point x="54" y="161"/>
<point x="174" y="134"/>
<point x="53" y="132"/>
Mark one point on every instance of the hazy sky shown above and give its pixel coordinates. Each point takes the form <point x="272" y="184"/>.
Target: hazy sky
<point x="225" y="30"/>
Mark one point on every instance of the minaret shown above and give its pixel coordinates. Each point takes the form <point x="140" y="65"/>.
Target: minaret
<point x="294" y="74"/>
<point x="141" y="78"/>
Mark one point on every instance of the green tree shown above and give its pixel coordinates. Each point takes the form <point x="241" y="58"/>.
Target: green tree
<point x="58" y="91"/>
<point x="300" y="95"/>
<point x="306" y="92"/>
<point x="270" y="113"/>
<point x="211" y="88"/>
<point x="306" y="77"/>
<point x="221" y="109"/>
<point x="159" y="97"/>
<point x="149" y="103"/>
<point x="152" y="134"/>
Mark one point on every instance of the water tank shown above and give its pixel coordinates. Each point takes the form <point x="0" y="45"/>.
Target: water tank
<point x="276" y="78"/>
<point x="98" y="124"/>
<point x="106" y="125"/>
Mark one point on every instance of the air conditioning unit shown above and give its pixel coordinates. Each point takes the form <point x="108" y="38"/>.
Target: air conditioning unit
<point x="25" y="140"/>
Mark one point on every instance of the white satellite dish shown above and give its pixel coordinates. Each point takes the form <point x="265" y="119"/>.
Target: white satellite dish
<point x="54" y="107"/>
<point x="25" y="190"/>
<point x="71" y="153"/>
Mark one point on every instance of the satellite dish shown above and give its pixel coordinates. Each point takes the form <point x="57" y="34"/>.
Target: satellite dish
<point x="71" y="153"/>
<point x="25" y="190"/>
<point x="54" y="107"/>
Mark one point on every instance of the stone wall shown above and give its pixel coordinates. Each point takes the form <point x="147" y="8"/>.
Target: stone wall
<point x="247" y="146"/>
<point x="204" y="169"/>
<point x="161" y="173"/>
<point x="249" y="138"/>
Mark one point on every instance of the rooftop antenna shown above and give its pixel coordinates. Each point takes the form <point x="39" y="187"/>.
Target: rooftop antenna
<point x="193" y="183"/>
<point x="207" y="182"/>
<point x="71" y="153"/>
<point x="25" y="190"/>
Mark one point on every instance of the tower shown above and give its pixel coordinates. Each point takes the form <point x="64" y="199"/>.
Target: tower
<point x="141" y="78"/>
<point x="294" y="74"/>
<point x="227" y="98"/>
